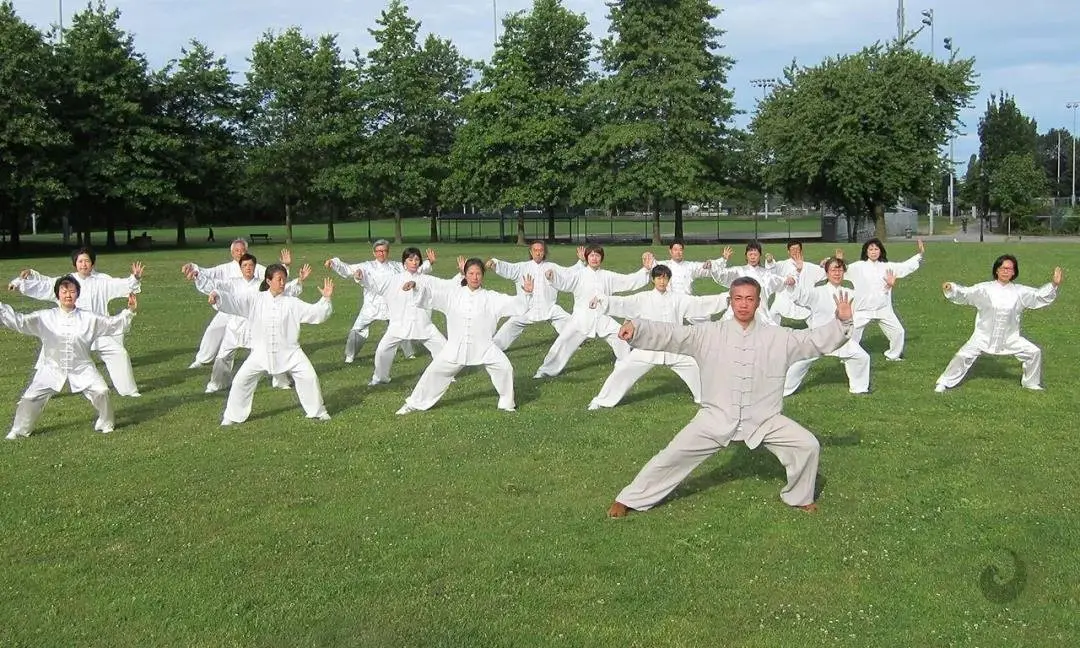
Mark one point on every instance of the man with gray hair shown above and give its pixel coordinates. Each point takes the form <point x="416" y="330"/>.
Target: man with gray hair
<point x="373" y="306"/>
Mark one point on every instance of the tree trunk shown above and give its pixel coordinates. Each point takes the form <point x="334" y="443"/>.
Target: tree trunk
<point x="397" y="226"/>
<point x="433" y="221"/>
<point x="181" y="230"/>
<point x="521" y="226"/>
<point x="551" y="223"/>
<point x="110" y="227"/>
<point x="655" y="221"/>
<point x="678" y="221"/>
<point x="10" y="221"/>
<point x="880" y="230"/>
<point x="288" y="223"/>
<point x="330" y="225"/>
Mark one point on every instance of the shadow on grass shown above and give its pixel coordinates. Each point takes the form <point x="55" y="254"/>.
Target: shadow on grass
<point x="159" y="356"/>
<point x="742" y="463"/>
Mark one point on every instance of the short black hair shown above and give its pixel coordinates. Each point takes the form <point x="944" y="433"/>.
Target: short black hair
<point x="753" y="245"/>
<point x="881" y="246"/>
<point x="831" y="261"/>
<point x="676" y="242"/>
<point x="660" y="270"/>
<point x="409" y="252"/>
<point x="542" y="244"/>
<point x="599" y="249"/>
<point x="274" y="269"/>
<point x="747" y="281"/>
<point x="66" y="279"/>
<point x="247" y="257"/>
<point x="1002" y="259"/>
<point x="794" y="243"/>
<point x="81" y="251"/>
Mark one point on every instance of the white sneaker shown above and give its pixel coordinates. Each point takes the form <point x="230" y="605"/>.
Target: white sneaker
<point x="374" y="383"/>
<point x="227" y="422"/>
<point x="593" y="407"/>
<point x="13" y="435"/>
<point x="283" y="387"/>
<point x="132" y="395"/>
<point x="105" y="430"/>
<point x="349" y="359"/>
<point x="1035" y="388"/>
<point x="539" y="375"/>
<point x="194" y="365"/>
<point x="322" y="417"/>
<point x="508" y="409"/>
<point x="405" y="409"/>
<point x="939" y="389"/>
<point x="411" y="357"/>
<point x="211" y="388"/>
<point x="894" y="359"/>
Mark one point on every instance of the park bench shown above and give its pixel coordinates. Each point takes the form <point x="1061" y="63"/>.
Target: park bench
<point x="265" y="238"/>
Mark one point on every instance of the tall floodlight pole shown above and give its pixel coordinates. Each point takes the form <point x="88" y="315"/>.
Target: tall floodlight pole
<point x="765" y="85"/>
<point x="899" y="20"/>
<point x="928" y="20"/>
<point x="61" y="21"/>
<point x="1073" y="105"/>
<point x="952" y="162"/>
<point x="494" y="22"/>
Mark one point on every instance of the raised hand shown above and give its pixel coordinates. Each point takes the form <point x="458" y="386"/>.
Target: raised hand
<point x="922" y="246"/>
<point x="594" y="302"/>
<point x="187" y="268"/>
<point x="137" y="269"/>
<point x="431" y="256"/>
<point x="359" y="275"/>
<point x="626" y="331"/>
<point x="305" y="272"/>
<point x="191" y="275"/>
<point x="527" y="283"/>
<point x="1058" y="276"/>
<point x="25" y="273"/>
<point x="727" y="253"/>
<point x="328" y="264"/>
<point x="946" y="287"/>
<point x="797" y="258"/>
<point x="285" y="257"/>
<point x="769" y="258"/>
<point x="707" y="265"/>
<point x="890" y="279"/>
<point x="550" y="274"/>
<point x="461" y="263"/>
<point x="581" y="252"/>
<point x="213" y="298"/>
<point x="838" y="253"/>
<point x="408" y="285"/>
<point x="133" y="303"/>
<point x="648" y="260"/>
<point x="327" y="289"/>
<point x="789" y="281"/>
<point x="843" y="306"/>
<point x="490" y="265"/>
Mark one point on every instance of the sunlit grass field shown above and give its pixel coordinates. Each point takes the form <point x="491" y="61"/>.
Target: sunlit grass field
<point x="947" y="520"/>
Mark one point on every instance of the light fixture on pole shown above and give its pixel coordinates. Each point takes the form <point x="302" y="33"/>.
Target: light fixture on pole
<point x="899" y="20"/>
<point x="765" y="85"/>
<point x="928" y="20"/>
<point x="1073" y="105"/>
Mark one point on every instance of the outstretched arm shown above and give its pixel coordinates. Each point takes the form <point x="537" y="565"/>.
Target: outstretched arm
<point x="661" y="336"/>
<point x="34" y="285"/>
<point x="29" y="324"/>
<point x="812" y="343"/>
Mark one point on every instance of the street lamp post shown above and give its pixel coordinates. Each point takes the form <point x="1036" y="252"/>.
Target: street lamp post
<point x="952" y="162"/>
<point x="1073" y="105"/>
<point x="495" y="22"/>
<point x="928" y="20"/>
<point x="765" y="85"/>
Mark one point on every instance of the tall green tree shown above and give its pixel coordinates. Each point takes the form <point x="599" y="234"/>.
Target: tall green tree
<point x="517" y="145"/>
<point x="1017" y="184"/>
<point x="337" y="129"/>
<point x="1003" y="131"/>
<point x="120" y="165"/>
<point x="662" y="109"/>
<point x="31" y="140"/>
<point x="281" y="108"/>
<point x="858" y="131"/>
<point x="409" y="95"/>
<point x="199" y="102"/>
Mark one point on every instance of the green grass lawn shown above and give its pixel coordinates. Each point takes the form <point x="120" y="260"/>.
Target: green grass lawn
<point x="465" y="526"/>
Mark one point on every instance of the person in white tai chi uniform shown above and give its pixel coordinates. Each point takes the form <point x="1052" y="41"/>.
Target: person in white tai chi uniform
<point x="820" y="302"/>
<point x="373" y="306"/>
<point x="96" y="290"/>
<point x="544" y="307"/>
<point x="585" y="322"/>
<point x="683" y="273"/>
<point x="274" y="320"/>
<point x="67" y="334"/>
<point x="762" y="273"/>
<point x="808" y="274"/>
<point x="210" y="343"/>
<point x="661" y="304"/>
<point x="237" y="330"/>
<point x="742" y="365"/>
<point x="409" y="321"/>
<point x="1000" y="304"/>
<point x="472" y="312"/>
<point x="874" y="277"/>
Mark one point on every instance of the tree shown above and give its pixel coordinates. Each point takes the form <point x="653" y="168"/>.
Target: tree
<point x="121" y="149"/>
<point x="1055" y="158"/>
<point x="199" y="101"/>
<point x="1016" y="185"/>
<point x="858" y="131"/>
<point x="282" y="111"/>
<point x="969" y="188"/>
<point x="1003" y="131"/>
<point x="661" y="111"/>
<point x="517" y="144"/>
<point x="31" y="140"/>
<point x="337" y="128"/>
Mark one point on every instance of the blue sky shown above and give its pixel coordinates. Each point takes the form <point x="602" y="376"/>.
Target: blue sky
<point x="1030" y="49"/>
